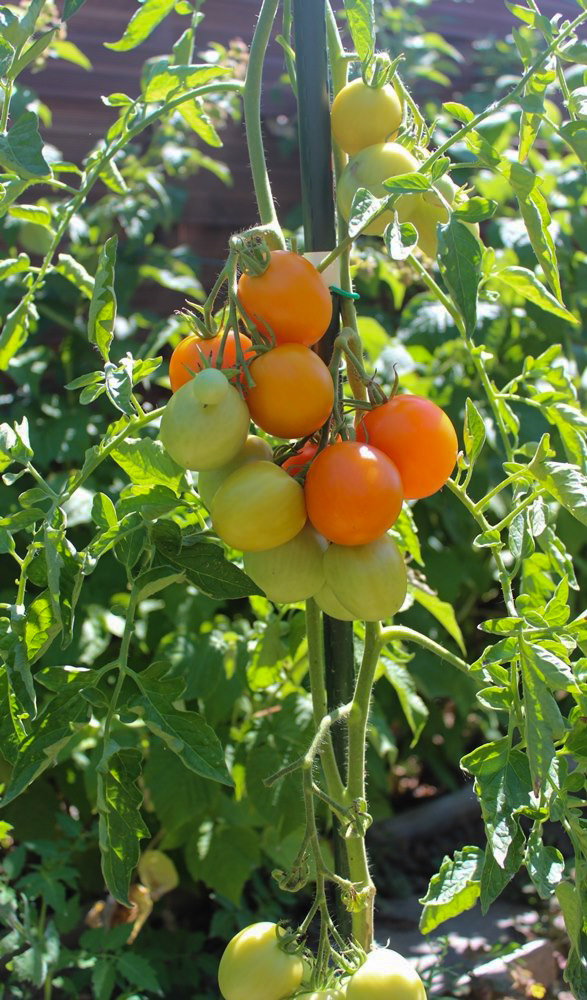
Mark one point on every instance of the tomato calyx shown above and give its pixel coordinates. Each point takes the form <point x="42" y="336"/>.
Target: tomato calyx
<point x="254" y="256"/>
<point x="379" y="69"/>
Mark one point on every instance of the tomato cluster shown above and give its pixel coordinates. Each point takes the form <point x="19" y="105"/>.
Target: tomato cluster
<point x="365" y="120"/>
<point x="258" y="963"/>
<point x="326" y="537"/>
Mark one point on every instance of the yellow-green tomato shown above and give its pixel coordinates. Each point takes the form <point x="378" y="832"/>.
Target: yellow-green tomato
<point x="385" y="975"/>
<point x="369" y="169"/>
<point x="370" y="580"/>
<point x="363" y="115"/>
<point x="329" y="603"/>
<point x="427" y="211"/>
<point x="204" y="435"/>
<point x="255" y="449"/>
<point x="254" y="967"/>
<point x="291" y="572"/>
<point x="326" y="995"/>
<point x="211" y="386"/>
<point x="257" y="507"/>
<point x="158" y="873"/>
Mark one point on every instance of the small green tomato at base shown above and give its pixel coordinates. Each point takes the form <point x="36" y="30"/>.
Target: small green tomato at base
<point x="204" y="435"/>
<point x="329" y="603"/>
<point x="254" y="967"/>
<point x="158" y="873"/>
<point x="369" y="580"/>
<point x="385" y="975"/>
<point x="290" y="572"/>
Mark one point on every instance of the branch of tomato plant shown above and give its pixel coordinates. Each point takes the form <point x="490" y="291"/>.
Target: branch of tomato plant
<point x="252" y="108"/>
<point x="398" y="633"/>
<point x="511" y="95"/>
<point x="122" y="661"/>
<point x="316" y="668"/>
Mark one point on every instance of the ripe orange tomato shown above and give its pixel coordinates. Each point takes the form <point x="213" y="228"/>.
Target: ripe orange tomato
<point x="289" y="300"/>
<point x="293" y="392"/>
<point x="195" y="353"/>
<point x="418" y="437"/>
<point x="353" y="493"/>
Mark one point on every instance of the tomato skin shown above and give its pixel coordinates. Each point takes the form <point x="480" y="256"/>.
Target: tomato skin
<point x="201" y="436"/>
<point x="253" y="966"/>
<point x="291" y="572"/>
<point x="293" y="393"/>
<point x="362" y="115"/>
<point x="258" y="507"/>
<point x="385" y="974"/>
<point x="326" y="995"/>
<point x="353" y="493"/>
<point x="302" y="459"/>
<point x="368" y="169"/>
<point x="418" y="437"/>
<point x="195" y="353"/>
<point x="289" y="300"/>
<point x="158" y="873"/>
<point x="255" y="449"/>
<point x="370" y="580"/>
<point x="329" y="603"/>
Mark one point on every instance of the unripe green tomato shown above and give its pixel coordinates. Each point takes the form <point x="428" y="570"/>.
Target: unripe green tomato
<point x="257" y="507"/>
<point x="291" y="572"/>
<point x="158" y="873"/>
<point x="254" y="967"/>
<point x="427" y="211"/>
<point x="34" y="238"/>
<point x="369" y="169"/>
<point x="326" y="995"/>
<point x="255" y="449"/>
<point x="204" y="436"/>
<point x="362" y="115"/>
<point x="210" y="386"/>
<point x="385" y="975"/>
<point x="329" y="603"/>
<point x="370" y="580"/>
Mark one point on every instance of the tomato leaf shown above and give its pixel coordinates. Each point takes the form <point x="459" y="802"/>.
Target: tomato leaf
<point x="361" y="21"/>
<point x="400" y="239"/>
<point x="459" y="258"/>
<point x="442" y="611"/>
<point x="474" y="433"/>
<point x="141" y="24"/>
<point x="205" y="564"/>
<point x="102" y="316"/>
<point x="526" y="284"/>
<point x="453" y="890"/>
<point x="15" y="331"/>
<point x="21" y="149"/>
<point x="147" y="463"/>
<point x="121" y="826"/>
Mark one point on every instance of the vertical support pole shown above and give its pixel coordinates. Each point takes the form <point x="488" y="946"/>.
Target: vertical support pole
<point x="320" y="234"/>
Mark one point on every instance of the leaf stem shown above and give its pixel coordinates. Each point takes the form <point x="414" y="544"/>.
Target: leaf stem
<point x="397" y="633"/>
<point x="319" y="697"/>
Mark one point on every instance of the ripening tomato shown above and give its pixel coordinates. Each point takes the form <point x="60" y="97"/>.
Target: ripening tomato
<point x="362" y="115"/>
<point x="385" y="974"/>
<point x="291" y="572"/>
<point x="293" y="392"/>
<point x="255" y="449"/>
<point x="329" y="603"/>
<point x="258" y="507"/>
<point x="195" y="353"/>
<point x="369" y="580"/>
<point x="158" y="873"/>
<point x="301" y="460"/>
<point x="427" y="211"/>
<point x="369" y="169"/>
<point x="418" y="437"/>
<point x="289" y="301"/>
<point x="254" y="967"/>
<point x="353" y="493"/>
<point x="200" y="435"/>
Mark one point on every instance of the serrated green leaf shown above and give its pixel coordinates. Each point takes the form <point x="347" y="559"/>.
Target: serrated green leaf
<point x="442" y="611"/>
<point x="504" y="789"/>
<point x="536" y="215"/>
<point x="102" y="315"/>
<point x="412" y="705"/>
<point x="121" y="826"/>
<point x="494" y="877"/>
<point x="453" y="890"/>
<point x="474" y="433"/>
<point x="75" y="273"/>
<point x="545" y="865"/>
<point x="459" y="111"/>
<point x="526" y="284"/>
<point x="147" y="463"/>
<point x="142" y="23"/>
<point x="204" y="563"/>
<point x="459" y="259"/>
<point x="163" y="79"/>
<point x="361" y="21"/>
<point x="71" y="7"/>
<point x="15" y="331"/>
<point x="21" y="149"/>
<point x="6" y="56"/>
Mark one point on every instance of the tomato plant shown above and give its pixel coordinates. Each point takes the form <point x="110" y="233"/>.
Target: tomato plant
<point x="418" y="437"/>
<point x="203" y="435"/>
<point x="291" y="572"/>
<point x="293" y="391"/>
<point x="353" y="493"/>
<point x="385" y="974"/>
<point x="363" y="115"/>
<point x="289" y="300"/>
<point x="258" y="507"/>
<point x="254" y="965"/>
<point x="194" y="353"/>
